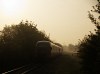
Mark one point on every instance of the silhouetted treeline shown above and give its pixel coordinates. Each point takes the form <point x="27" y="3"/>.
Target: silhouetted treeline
<point x="17" y="44"/>
<point x="89" y="47"/>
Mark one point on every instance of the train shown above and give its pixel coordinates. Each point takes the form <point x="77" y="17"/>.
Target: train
<point x="47" y="50"/>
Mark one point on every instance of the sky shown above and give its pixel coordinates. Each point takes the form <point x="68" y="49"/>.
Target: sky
<point x="66" y="21"/>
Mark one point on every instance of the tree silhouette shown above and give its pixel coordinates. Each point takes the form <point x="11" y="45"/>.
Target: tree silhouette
<point x="17" y="43"/>
<point x="89" y="47"/>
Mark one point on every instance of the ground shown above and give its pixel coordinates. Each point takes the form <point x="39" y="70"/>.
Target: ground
<point x="68" y="63"/>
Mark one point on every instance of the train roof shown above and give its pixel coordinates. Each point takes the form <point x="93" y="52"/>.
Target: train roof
<point x="48" y="43"/>
<point x="43" y="43"/>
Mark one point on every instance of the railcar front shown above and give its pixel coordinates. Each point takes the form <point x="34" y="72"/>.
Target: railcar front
<point x="43" y="49"/>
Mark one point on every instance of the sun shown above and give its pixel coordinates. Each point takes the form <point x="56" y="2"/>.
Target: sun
<point x="11" y="7"/>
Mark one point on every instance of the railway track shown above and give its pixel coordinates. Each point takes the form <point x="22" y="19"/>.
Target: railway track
<point x="27" y="68"/>
<point x="24" y="69"/>
<point x="41" y="69"/>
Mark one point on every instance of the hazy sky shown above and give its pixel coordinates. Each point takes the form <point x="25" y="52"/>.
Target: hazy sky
<point x="65" y="20"/>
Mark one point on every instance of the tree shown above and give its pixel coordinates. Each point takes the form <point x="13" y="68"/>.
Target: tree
<point x="89" y="47"/>
<point x="17" y="42"/>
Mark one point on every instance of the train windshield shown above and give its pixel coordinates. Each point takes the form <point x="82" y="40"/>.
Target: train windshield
<point x="43" y="44"/>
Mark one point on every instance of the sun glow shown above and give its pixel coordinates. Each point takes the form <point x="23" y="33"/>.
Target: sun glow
<point x="11" y="7"/>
